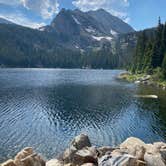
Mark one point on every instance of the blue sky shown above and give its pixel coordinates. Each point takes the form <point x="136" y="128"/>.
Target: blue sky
<point x="140" y="14"/>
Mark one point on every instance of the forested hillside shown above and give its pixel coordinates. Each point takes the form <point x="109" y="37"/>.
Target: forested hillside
<point x="150" y="54"/>
<point x="25" y="47"/>
<point x="74" y="39"/>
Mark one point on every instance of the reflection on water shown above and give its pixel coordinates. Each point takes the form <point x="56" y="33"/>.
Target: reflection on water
<point x="46" y="108"/>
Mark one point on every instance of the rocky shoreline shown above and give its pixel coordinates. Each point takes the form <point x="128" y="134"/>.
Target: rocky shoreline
<point x="132" y="152"/>
<point x="142" y="79"/>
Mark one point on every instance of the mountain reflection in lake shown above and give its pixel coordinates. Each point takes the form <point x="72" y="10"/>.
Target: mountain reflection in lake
<point x="46" y="108"/>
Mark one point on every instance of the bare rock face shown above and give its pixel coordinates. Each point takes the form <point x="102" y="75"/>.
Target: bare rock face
<point x="28" y="158"/>
<point x="9" y="163"/>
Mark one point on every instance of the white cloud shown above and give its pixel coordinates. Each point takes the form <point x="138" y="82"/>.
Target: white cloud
<point x="27" y="12"/>
<point x="115" y="7"/>
<point x="11" y="2"/>
<point x="45" y="8"/>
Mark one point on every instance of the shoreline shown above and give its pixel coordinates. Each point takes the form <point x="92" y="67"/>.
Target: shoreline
<point x="142" y="79"/>
<point x="80" y="152"/>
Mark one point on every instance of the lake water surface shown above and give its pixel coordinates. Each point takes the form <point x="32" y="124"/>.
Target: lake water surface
<point x="46" y="108"/>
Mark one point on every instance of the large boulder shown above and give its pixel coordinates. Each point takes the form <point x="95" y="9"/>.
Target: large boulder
<point x="81" y="141"/>
<point x="155" y="154"/>
<point x="27" y="157"/>
<point x="154" y="159"/>
<point x="163" y="153"/>
<point x="135" y="147"/>
<point x="132" y="141"/>
<point x="85" y="155"/>
<point x="68" y="154"/>
<point x="77" y="143"/>
<point x="8" y="163"/>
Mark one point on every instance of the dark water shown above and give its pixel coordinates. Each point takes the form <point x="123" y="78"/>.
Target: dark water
<point x="46" y="108"/>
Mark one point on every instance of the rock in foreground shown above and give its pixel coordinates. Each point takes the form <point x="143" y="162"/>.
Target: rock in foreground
<point x="132" y="152"/>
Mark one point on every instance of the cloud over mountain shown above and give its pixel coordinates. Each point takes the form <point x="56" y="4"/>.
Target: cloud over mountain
<point x="115" y="7"/>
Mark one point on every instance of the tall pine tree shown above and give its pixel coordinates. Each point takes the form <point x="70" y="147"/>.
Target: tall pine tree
<point x="157" y="55"/>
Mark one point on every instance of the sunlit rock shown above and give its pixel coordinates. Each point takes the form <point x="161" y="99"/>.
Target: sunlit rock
<point x="8" y="163"/>
<point x="27" y="157"/>
<point x="153" y="159"/>
<point x="54" y="162"/>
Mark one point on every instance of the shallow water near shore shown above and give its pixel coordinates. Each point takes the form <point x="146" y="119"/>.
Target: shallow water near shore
<point x="47" y="108"/>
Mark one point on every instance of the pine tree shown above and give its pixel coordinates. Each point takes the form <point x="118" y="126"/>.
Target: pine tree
<point x="157" y="55"/>
<point x="139" y="54"/>
<point x="164" y="66"/>
<point x="164" y="38"/>
<point x="147" y="68"/>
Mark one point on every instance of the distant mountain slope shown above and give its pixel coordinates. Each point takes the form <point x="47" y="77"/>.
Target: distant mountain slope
<point x="111" y="24"/>
<point x="4" y="21"/>
<point x="84" y="30"/>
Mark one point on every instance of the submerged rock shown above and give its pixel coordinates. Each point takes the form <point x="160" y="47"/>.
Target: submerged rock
<point x="146" y="96"/>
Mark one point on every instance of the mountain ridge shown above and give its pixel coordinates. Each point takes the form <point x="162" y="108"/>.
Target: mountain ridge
<point x="84" y="30"/>
<point x="5" y="21"/>
<point x="74" y="39"/>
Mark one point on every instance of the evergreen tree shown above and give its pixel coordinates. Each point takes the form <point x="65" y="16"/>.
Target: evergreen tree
<point x="147" y="68"/>
<point x="157" y="55"/>
<point x="164" y="38"/>
<point x="164" y="66"/>
<point x="150" y="52"/>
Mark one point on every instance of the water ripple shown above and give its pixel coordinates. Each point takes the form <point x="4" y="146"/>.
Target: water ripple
<point x="47" y="108"/>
